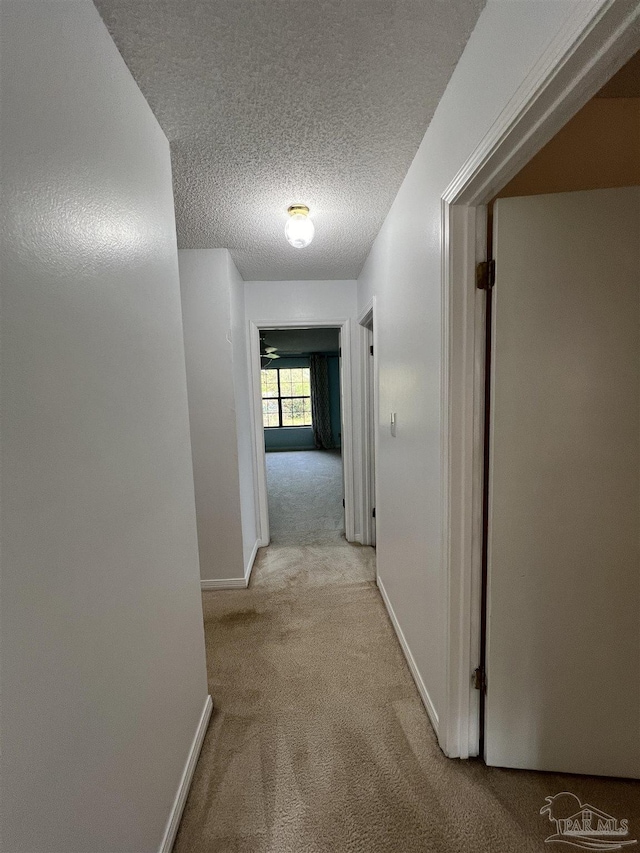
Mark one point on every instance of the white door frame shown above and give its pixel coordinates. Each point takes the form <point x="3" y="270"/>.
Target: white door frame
<point x="369" y="438"/>
<point x="346" y="415"/>
<point x="596" y="40"/>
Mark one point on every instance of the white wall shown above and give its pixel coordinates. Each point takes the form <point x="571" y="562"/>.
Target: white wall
<point x="285" y="301"/>
<point x="103" y="675"/>
<point x="300" y="300"/>
<point x="215" y="347"/>
<point x="244" y="430"/>
<point x="403" y="270"/>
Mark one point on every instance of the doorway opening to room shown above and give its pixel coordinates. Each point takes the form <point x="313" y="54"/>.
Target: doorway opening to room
<point x="541" y="457"/>
<point x="561" y="460"/>
<point x="306" y="410"/>
<point x="302" y="424"/>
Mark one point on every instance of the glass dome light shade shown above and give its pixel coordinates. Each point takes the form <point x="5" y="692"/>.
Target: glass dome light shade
<point x="299" y="230"/>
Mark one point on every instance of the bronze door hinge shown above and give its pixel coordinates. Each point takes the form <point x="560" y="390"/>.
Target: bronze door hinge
<point x="485" y="275"/>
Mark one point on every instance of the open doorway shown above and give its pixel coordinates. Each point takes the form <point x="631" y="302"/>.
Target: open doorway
<point x="591" y="58"/>
<point x="302" y="423"/>
<point x="562" y="489"/>
<point x="258" y="331"/>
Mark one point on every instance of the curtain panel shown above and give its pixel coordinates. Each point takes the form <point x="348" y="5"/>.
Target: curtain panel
<point x="320" y="407"/>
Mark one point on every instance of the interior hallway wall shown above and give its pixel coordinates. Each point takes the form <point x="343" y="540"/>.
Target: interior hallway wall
<point x="217" y="379"/>
<point x="403" y="270"/>
<point x="244" y="428"/>
<point x="103" y="665"/>
<point x="282" y="301"/>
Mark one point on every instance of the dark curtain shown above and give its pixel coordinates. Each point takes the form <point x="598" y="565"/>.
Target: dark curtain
<point x="320" y="408"/>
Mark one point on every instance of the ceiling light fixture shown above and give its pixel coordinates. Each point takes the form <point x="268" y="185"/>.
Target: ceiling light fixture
<point x="299" y="229"/>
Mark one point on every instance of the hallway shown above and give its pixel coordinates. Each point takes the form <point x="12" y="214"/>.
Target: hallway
<point x="230" y="226"/>
<point x="319" y="741"/>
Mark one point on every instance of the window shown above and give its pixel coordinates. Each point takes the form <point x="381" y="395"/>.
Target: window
<point x="286" y="397"/>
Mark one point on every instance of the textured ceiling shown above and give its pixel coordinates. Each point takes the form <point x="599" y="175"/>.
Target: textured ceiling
<point x="271" y="102"/>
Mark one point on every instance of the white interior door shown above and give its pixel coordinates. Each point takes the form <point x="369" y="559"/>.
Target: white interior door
<point x="563" y="635"/>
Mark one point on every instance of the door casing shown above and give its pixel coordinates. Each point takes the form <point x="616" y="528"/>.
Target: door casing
<point x="369" y="435"/>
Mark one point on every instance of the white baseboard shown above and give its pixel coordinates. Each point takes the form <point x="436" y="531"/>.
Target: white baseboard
<point x="234" y="583"/>
<point x="185" y="782"/>
<point x="422" y="689"/>
<point x="223" y="583"/>
<point x="252" y="559"/>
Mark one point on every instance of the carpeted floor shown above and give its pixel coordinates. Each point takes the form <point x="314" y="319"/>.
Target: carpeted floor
<point x="319" y="742"/>
<point x="305" y="495"/>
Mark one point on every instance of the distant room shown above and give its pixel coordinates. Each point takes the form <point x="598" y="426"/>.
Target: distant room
<point x="301" y="409"/>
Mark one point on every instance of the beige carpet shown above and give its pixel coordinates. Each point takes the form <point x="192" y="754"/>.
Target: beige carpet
<point x="319" y="742"/>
